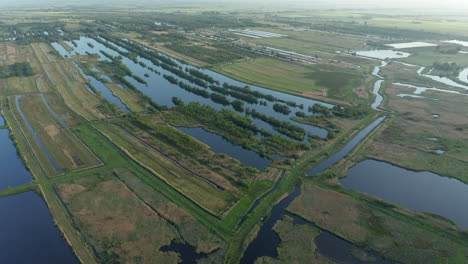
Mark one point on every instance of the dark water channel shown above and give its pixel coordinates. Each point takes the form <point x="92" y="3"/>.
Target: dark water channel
<point x="329" y="245"/>
<point x="334" y="158"/>
<point x="420" y="191"/>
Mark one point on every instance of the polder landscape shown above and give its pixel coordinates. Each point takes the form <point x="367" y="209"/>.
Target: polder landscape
<point x="190" y="132"/>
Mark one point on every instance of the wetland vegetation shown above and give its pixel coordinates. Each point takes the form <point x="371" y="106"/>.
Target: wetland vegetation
<point x="207" y="134"/>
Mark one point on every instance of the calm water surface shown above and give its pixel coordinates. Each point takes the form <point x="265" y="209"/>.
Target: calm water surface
<point x="420" y="191"/>
<point x="13" y="171"/>
<point x="28" y="233"/>
<point x="220" y="145"/>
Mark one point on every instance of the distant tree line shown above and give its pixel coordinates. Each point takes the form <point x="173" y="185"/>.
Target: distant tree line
<point x="17" y="69"/>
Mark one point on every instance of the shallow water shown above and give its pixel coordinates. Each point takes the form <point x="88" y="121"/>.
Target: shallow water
<point x="463" y="76"/>
<point x="419" y="89"/>
<point x="445" y="80"/>
<point x="378" y="97"/>
<point x="459" y="42"/>
<point x="377" y="69"/>
<point x="420" y="191"/>
<point x="411" y="45"/>
<point x="383" y="54"/>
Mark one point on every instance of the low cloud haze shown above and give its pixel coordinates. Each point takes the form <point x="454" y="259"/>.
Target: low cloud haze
<point x="453" y="5"/>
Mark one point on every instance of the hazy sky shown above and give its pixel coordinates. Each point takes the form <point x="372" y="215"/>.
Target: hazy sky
<point x="425" y="4"/>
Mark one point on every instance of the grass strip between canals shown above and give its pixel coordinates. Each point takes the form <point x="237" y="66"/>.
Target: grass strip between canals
<point x="114" y="158"/>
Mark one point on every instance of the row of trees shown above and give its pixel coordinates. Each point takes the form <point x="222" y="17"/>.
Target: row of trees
<point x="283" y="127"/>
<point x="18" y="69"/>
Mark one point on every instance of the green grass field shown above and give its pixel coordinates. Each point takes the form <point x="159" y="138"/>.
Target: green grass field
<point x="273" y="74"/>
<point x="290" y="78"/>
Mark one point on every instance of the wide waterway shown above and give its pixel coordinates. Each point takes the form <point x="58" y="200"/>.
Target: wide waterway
<point x="28" y="233"/>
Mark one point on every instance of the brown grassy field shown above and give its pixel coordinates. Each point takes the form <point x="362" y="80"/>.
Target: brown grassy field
<point x="116" y="222"/>
<point x="198" y="189"/>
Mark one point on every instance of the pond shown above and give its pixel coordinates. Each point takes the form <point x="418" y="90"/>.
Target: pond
<point x="408" y="45"/>
<point x="162" y="91"/>
<point x="383" y="54"/>
<point x="187" y="253"/>
<point x="220" y="145"/>
<point x="420" y="191"/>
<point x="29" y="234"/>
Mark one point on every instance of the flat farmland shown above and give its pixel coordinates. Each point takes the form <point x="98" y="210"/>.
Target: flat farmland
<point x="310" y="42"/>
<point x="17" y="85"/>
<point x="273" y="74"/>
<point x="282" y="76"/>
